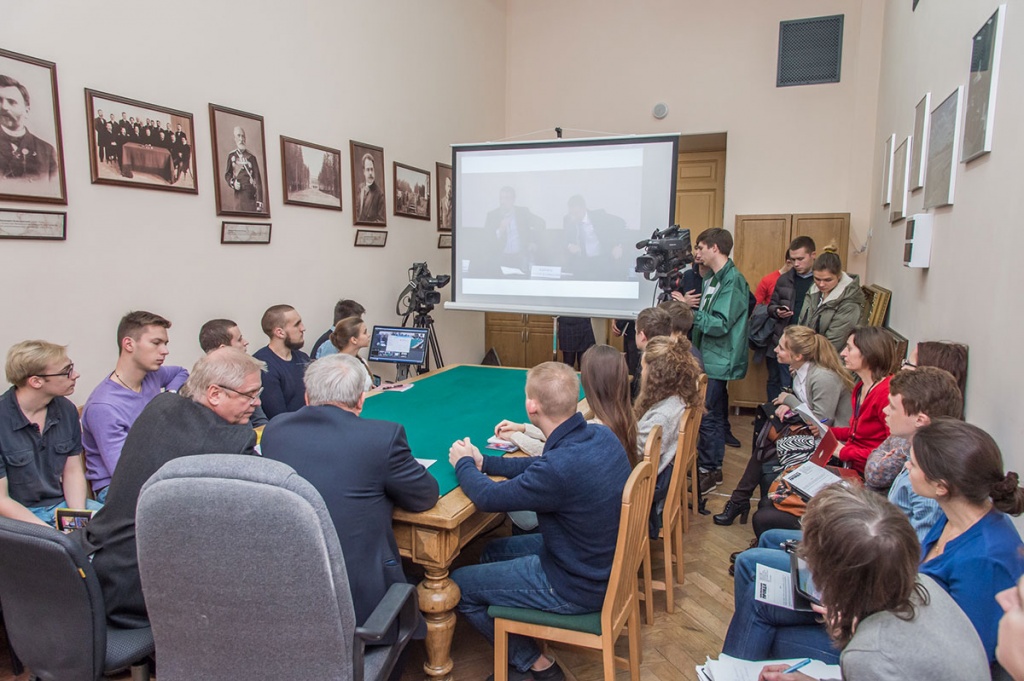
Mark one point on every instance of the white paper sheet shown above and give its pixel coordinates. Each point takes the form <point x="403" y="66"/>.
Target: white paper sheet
<point x="727" y="668"/>
<point x="426" y="463"/>
<point x="774" y="587"/>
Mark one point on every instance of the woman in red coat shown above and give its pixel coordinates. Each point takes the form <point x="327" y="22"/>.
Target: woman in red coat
<point x="870" y="353"/>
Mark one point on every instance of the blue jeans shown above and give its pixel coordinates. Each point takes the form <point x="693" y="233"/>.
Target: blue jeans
<point x="101" y="496"/>
<point x="711" y="445"/>
<point x="778" y="377"/>
<point x="48" y="514"/>
<point x="510" y="574"/>
<point x="759" y="631"/>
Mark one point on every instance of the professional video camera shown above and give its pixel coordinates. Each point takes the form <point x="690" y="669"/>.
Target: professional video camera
<point x="421" y="294"/>
<point x="668" y="251"/>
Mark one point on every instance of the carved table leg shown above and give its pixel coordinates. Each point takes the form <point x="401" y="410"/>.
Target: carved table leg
<point x="438" y="597"/>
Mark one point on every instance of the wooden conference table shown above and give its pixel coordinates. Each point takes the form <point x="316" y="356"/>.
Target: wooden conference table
<point x="443" y="406"/>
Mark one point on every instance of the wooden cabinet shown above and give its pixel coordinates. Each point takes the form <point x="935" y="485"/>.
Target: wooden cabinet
<point x="520" y="340"/>
<point x="760" y="246"/>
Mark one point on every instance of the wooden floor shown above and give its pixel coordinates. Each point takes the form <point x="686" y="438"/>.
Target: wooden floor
<point x="672" y="645"/>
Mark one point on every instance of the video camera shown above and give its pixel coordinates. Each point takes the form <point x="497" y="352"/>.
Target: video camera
<point x="668" y="252"/>
<point x="421" y="294"/>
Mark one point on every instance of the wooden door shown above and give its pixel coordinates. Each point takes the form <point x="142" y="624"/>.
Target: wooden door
<point x="826" y="229"/>
<point x="506" y="333"/>
<point x="540" y="340"/>
<point x="700" y="190"/>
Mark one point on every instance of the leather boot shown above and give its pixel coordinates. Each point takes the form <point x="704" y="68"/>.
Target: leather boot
<point x="730" y="512"/>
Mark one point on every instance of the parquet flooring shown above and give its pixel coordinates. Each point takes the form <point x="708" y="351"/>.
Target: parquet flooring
<point x="672" y="644"/>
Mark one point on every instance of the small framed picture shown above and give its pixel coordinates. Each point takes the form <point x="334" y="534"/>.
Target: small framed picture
<point x="311" y="174"/>
<point x="33" y="224"/>
<point x="245" y="233"/>
<point x="240" y="161"/>
<point x="31" y="151"/>
<point x="444" y="240"/>
<point x="444" y="197"/>
<point x="135" y="144"/>
<point x="369" y="206"/>
<point x="370" y="237"/>
<point x="412" y="192"/>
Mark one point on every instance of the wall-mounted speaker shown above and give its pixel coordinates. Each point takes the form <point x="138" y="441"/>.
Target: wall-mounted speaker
<point x="660" y="110"/>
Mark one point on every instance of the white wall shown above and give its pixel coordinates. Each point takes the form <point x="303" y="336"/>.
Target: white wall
<point x="972" y="291"/>
<point x="405" y="76"/>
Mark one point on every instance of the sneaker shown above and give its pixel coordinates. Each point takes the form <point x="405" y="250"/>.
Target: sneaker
<point x="552" y="673"/>
<point x="707" y="481"/>
<point x="731" y="441"/>
<point x="718" y="475"/>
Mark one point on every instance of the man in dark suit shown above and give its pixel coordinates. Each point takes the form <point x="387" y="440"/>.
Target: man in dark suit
<point x="370" y="207"/>
<point x="22" y="154"/>
<point x="514" y="230"/>
<point x="594" y="242"/>
<point x="243" y="176"/>
<point x="210" y="416"/>
<point x="99" y="125"/>
<point x="361" y="467"/>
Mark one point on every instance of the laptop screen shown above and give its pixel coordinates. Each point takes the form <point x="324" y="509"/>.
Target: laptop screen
<point x="398" y="345"/>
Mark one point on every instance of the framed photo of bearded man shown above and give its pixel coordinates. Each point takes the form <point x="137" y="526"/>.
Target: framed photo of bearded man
<point x="240" y="161"/>
<point x="369" y="207"/>
<point x="31" y="149"/>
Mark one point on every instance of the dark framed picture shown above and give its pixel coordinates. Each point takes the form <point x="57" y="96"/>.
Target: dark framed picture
<point x="444" y="198"/>
<point x="371" y="237"/>
<point x="135" y="144"/>
<point x="368" y="191"/>
<point x="31" y="150"/>
<point x="412" y="192"/>
<point x="239" y="162"/>
<point x="245" y="233"/>
<point x="311" y="174"/>
<point x="444" y="240"/>
<point x="38" y="225"/>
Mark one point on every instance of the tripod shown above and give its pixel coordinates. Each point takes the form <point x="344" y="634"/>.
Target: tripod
<point x="422" y="320"/>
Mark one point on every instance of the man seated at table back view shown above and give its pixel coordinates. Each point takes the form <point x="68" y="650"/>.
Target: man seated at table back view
<point x="211" y="416"/>
<point x="575" y="487"/>
<point x="282" y="383"/>
<point x="362" y="468"/>
<point x="113" y="406"/>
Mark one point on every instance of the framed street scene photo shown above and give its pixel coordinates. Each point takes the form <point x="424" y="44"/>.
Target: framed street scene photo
<point x="370" y="237"/>
<point x="31" y="151"/>
<point x="444" y="197"/>
<point x="412" y="192"/>
<point x="240" y="162"/>
<point x="312" y="174"/>
<point x="135" y="144"/>
<point x="33" y="224"/>
<point x="245" y="233"/>
<point x="368" y="204"/>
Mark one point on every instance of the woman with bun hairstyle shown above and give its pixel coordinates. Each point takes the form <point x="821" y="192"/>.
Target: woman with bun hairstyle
<point x="974" y="552"/>
<point x="836" y="304"/>
<point x="350" y="335"/>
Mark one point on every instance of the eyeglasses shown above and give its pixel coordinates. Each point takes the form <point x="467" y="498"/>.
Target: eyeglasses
<point x="65" y="372"/>
<point x="905" y="364"/>
<point x="252" y="396"/>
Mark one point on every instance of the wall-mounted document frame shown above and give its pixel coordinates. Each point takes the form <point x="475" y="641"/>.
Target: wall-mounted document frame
<point x="981" y="87"/>
<point x="887" y="147"/>
<point x="919" y="148"/>
<point x="943" y="138"/>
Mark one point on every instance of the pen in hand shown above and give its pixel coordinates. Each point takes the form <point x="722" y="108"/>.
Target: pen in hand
<point x="799" y="665"/>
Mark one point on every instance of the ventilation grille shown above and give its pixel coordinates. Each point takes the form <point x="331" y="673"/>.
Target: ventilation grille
<point x="810" y="51"/>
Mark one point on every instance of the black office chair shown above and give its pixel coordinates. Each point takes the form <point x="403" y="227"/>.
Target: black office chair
<point x="244" y="578"/>
<point x="53" y="609"/>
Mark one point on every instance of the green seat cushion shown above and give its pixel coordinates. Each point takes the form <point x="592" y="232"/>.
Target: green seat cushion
<point x="589" y="623"/>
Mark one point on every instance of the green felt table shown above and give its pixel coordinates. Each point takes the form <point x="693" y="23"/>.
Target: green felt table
<point x="442" y="407"/>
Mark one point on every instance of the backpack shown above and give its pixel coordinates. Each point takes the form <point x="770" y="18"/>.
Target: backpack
<point x="759" y="334"/>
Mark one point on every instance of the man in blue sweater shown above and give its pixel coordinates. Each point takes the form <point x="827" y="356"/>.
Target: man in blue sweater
<point x="575" y="486"/>
<point x="283" y="390"/>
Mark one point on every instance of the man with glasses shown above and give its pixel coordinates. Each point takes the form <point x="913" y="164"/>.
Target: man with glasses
<point x="224" y="333"/>
<point x="210" y="416"/>
<point x="40" y="438"/>
<point x="138" y="377"/>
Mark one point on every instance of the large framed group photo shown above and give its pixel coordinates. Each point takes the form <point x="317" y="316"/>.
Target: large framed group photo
<point x="240" y="162"/>
<point x="31" y="150"/>
<point x="136" y="144"/>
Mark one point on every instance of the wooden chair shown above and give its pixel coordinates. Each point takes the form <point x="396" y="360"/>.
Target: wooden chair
<point x="690" y="460"/>
<point x="652" y="453"/>
<point x="598" y="630"/>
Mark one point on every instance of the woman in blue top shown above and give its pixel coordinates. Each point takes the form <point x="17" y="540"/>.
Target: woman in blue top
<point x="974" y="552"/>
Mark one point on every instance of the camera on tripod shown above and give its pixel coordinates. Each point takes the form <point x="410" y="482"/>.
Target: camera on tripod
<point x="422" y="289"/>
<point x="668" y="251"/>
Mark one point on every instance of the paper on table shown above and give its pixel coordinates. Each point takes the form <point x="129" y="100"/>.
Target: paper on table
<point x="511" y="270"/>
<point x="727" y="668"/>
<point x="426" y="463"/>
<point x="774" y="587"/>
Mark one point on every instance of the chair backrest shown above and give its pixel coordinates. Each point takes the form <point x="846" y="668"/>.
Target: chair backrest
<point x="242" y="572"/>
<point x="652" y="449"/>
<point x="686" y="447"/>
<point x="633" y="519"/>
<point x="53" y="605"/>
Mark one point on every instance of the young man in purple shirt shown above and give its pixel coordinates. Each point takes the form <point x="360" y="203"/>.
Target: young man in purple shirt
<point x="118" y="400"/>
<point x="283" y="389"/>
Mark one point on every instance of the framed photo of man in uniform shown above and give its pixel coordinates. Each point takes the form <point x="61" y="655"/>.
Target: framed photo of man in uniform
<point x="135" y="144"/>
<point x="240" y="162"/>
<point x="31" y="151"/>
<point x="369" y="206"/>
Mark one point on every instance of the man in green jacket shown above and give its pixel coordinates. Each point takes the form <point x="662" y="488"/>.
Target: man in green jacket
<point x="720" y="333"/>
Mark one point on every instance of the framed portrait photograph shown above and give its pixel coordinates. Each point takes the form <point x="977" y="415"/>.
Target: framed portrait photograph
<point x="412" y="192"/>
<point x="369" y="206"/>
<point x="981" y="87"/>
<point x="33" y="224"/>
<point x="245" y="233"/>
<point x="311" y="174"/>
<point x="239" y="162"/>
<point x="444" y="198"/>
<point x="444" y="240"/>
<point x="135" y="144"/>
<point x="370" y="237"/>
<point x="31" y="150"/>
